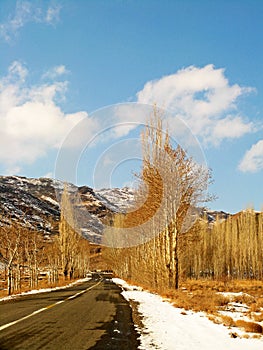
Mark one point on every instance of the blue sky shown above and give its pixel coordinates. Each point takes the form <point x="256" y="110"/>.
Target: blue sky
<point x="202" y="60"/>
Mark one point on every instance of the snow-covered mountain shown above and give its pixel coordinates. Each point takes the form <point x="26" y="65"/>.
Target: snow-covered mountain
<point x="31" y="202"/>
<point x="116" y="198"/>
<point x="35" y="204"/>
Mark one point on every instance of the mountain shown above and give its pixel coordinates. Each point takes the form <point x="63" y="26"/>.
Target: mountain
<point x="31" y="202"/>
<point x="35" y="203"/>
<point x="212" y="215"/>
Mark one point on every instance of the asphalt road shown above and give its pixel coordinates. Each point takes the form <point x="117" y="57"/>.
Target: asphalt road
<point x="91" y="315"/>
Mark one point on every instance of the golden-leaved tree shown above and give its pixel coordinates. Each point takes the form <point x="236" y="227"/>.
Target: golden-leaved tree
<point x="171" y="185"/>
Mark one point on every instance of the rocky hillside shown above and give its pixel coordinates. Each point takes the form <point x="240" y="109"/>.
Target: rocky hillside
<point x="35" y="204"/>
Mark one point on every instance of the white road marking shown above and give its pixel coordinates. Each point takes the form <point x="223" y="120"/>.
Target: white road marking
<point x="47" y="307"/>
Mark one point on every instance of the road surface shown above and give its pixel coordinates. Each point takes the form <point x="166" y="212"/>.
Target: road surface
<point x="91" y="315"/>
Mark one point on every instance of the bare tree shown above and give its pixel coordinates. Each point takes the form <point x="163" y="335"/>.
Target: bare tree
<point x="171" y="186"/>
<point x="74" y="249"/>
<point x="183" y="184"/>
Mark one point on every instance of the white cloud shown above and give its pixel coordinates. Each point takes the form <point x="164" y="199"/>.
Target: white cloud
<point x="127" y="117"/>
<point x="52" y="14"/>
<point x="26" y="12"/>
<point x="229" y="127"/>
<point x="253" y="159"/>
<point x="17" y="71"/>
<point x="204" y="99"/>
<point x="32" y="123"/>
<point x="55" y="72"/>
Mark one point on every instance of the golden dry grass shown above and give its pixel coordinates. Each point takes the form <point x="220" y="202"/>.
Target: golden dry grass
<point x="258" y="317"/>
<point x="256" y="336"/>
<point x="254" y="307"/>
<point x="41" y="285"/>
<point x="260" y="302"/>
<point x="251" y="327"/>
<point x="244" y="299"/>
<point x="252" y="287"/>
<point x="197" y="300"/>
<point x="227" y="321"/>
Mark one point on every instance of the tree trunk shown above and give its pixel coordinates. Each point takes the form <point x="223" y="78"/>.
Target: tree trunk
<point x="9" y="280"/>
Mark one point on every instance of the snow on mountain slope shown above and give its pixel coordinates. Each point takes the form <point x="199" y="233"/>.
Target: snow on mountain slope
<point x="21" y="200"/>
<point x="116" y="198"/>
<point x="35" y="204"/>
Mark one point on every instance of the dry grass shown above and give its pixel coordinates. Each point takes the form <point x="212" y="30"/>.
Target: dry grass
<point x="214" y="318"/>
<point x="227" y="321"/>
<point x="2" y="293"/>
<point x="244" y="299"/>
<point x="204" y="300"/>
<point x="260" y="302"/>
<point x="203" y="295"/>
<point x="245" y="336"/>
<point x="252" y="287"/>
<point x="251" y="327"/>
<point x="256" y="336"/>
<point x="258" y="317"/>
<point x="254" y="307"/>
<point x="41" y="285"/>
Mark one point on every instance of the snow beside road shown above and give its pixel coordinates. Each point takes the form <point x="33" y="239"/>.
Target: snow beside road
<point x="167" y="328"/>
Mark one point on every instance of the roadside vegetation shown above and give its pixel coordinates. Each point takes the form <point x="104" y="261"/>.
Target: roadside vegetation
<point x="28" y="261"/>
<point x="197" y="264"/>
<point x="191" y="262"/>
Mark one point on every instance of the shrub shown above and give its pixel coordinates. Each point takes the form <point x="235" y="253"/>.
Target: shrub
<point x="228" y="321"/>
<point x="259" y="317"/>
<point x="244" y="299"/>
<point x="249" y="326"/>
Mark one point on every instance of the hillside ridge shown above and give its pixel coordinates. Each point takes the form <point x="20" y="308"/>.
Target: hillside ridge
<point x="35" y="204"/>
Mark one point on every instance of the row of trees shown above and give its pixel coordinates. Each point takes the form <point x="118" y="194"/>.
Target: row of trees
<point x="231" y="248"/>
<point x="171" y="185"/>
<point x="160" y="241"/>
<point x="74" y="249"/>
<point x="26" y="256"/>
<point x="20" y="247"/>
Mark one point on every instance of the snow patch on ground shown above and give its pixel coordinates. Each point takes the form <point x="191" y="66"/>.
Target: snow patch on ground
<point x="236" y="310"/>
<point x="232" y="295"/>
<point x="170" y="328"/>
